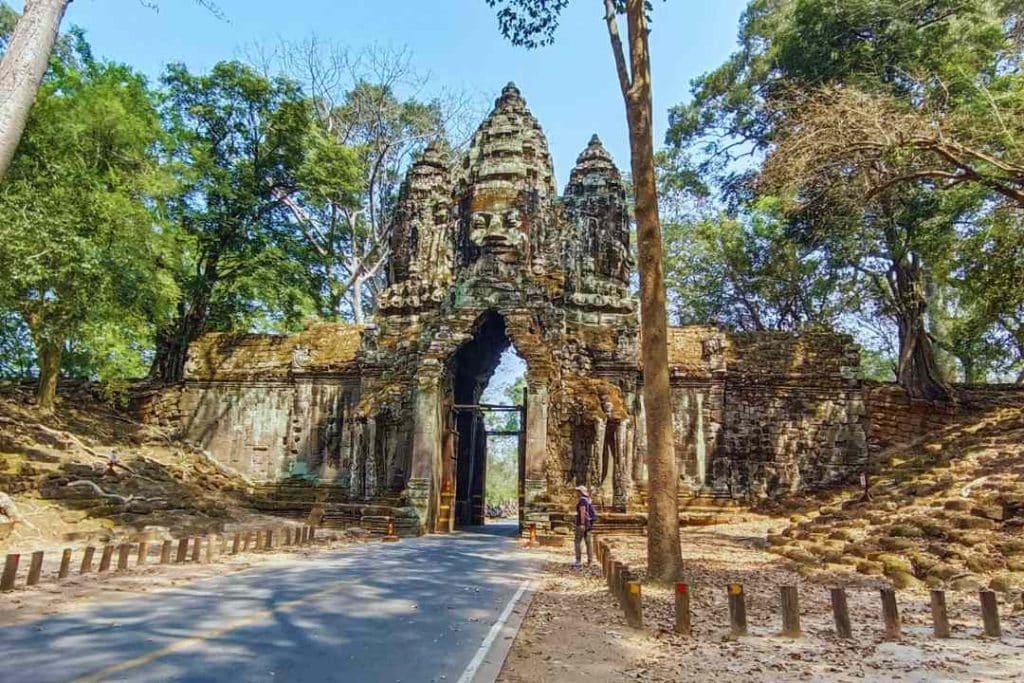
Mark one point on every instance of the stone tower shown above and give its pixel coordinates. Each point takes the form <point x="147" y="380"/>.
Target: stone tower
<point x="485" y="254"/>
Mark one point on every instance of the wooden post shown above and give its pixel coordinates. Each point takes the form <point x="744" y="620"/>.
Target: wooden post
<point x="108" y="553"/>
<point x="634" y="604"/>
<point x="270" y="539"/>
<point x="890" y="613"/>
<point x="35" y="568"/>
<point x="287" y="535"/>
<point x="197" y="548"/>
<point x="625" y="576"/>
<point x="940" y="617"/>
<point x="10" y="572"/>
<point x="165" y="551"/>
<point x="311" y="537"/>
<point x="236" y="543"/>
<point x="790" y="611"/>
<point x="182" y="554"/>
<point x="65" y="564"/>
<point x="211" y="549"/>
<point x="248" y="540"/>
<point x="123" y="551"/>
<point x="143" y="555"/>
<point x="841" y="613"/>
<point x="613" y="583"/>
<point x="683" y="609"/>
<point x="87" y="560"/>
<point x="737" y="610"/>
<point x="990" y="614"/>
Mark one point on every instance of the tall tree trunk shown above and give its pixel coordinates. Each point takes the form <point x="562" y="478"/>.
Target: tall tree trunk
<point x="173" y="341"/>
<point x="49" y="352"/>
<point x="917" y="370"/>
<point x="357" y="299"/>
<point x="22" y="69"/>
<point x="664" y="554"/>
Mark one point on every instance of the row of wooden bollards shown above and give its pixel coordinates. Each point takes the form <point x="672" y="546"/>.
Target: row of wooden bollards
<point x="622" y="585"/>
<point x="242" y="541"/>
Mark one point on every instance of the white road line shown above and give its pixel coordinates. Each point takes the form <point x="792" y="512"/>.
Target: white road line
<point x="478" y="659"/>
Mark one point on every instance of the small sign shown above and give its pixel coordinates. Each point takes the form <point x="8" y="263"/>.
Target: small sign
<point x="735" y="589"/>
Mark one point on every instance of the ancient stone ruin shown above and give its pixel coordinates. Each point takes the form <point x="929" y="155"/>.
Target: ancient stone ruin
<point x="486" y="254"/>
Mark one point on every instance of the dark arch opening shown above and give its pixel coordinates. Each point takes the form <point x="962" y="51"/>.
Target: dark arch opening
<point x="472" y="367"/>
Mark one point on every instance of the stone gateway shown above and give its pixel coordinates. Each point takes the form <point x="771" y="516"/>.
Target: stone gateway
<point x="486" y="254"/>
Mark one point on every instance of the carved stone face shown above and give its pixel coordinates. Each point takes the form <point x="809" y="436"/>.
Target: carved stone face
<point x="498" y="233"/>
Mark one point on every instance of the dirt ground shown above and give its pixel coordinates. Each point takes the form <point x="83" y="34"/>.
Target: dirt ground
<point x="574" y="631"/>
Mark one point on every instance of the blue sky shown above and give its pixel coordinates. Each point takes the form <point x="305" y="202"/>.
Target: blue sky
<point x="570" y="87"/>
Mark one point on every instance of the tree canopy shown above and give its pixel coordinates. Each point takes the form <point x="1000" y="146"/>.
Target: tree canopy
<point x="888" y="134"/>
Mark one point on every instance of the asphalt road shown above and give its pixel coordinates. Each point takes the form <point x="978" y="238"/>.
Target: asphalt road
<point x="419" y="610"/>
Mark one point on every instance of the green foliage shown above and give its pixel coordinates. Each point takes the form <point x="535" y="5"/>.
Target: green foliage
<point x="239" y="142"/>
<point x="502" y="470"/>
<point x="345" y="198"/>
<point x="848" y="112"/>
<point x="81" y="239"/>
<point x="747" y="273"/>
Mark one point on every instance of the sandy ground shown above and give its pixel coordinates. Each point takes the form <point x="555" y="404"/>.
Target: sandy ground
<point x="574" y="631"/>
<point x="80" y="590"/>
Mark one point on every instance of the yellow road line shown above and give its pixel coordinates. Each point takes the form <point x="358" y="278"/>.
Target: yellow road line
<point x="209" y="634"/>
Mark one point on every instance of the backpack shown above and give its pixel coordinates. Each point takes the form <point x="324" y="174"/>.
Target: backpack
<point x="591" y="512"/>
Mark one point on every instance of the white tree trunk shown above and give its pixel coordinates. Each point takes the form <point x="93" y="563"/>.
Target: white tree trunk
<point x="22" y="69"/>
<point x="357" y="299"/>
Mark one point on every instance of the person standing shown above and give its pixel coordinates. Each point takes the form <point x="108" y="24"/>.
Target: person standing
<point x="585" y="517"/>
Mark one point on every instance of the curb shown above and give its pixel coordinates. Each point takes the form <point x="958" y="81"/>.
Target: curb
<point x="494" y="660"/>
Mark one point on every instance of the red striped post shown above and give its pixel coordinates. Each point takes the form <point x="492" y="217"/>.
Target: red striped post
<point x="683" y="625"/>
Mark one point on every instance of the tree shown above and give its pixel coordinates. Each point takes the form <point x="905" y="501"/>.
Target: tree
<point x="80" y="242"/>
<point x="746" y="272"/>
<point x="26" y="56"/>
<point x="532" y="23"/>
<point x="22" y="67"/>
<point x="370" y="133"/>
<point x="924" y="56"/>
<point x="240" y="140"/>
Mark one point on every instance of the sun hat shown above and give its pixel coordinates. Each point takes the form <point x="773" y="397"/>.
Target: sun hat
<point x="583" y="489"/>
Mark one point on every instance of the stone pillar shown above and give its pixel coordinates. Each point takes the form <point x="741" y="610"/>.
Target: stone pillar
<point x="621" y="477"/>
<point x="370" y="454"/>
<point x="640" y="452"/>
<point x="605" y="460"/>
<point x="536" y="440"/>
<point x="424" y="487"/>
